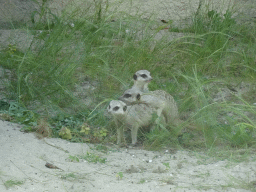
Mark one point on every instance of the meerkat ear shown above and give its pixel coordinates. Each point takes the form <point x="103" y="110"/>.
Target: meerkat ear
<point x="138" y="96"/>
<point x="125" y="108"/>
<point x="135" y="77"/>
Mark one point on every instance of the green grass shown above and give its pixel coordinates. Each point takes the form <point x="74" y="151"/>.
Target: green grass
<point x="214" y="56"/>
<point x="73" y="177"/>
<point x="11" y="183"/>
<point x="92" y="158"/>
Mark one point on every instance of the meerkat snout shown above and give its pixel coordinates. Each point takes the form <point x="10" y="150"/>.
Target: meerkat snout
<point x="115" y="108"/>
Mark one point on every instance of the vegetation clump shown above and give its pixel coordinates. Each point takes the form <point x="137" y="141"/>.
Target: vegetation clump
<point x="78" y="62"/>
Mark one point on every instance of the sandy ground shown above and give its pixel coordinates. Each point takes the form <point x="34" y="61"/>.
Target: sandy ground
<point x="23" y="158"/>
<point x="179" y="12"/>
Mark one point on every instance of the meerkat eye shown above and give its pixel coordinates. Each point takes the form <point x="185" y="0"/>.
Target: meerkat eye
<point x="109" y="107"/>
<point x="127" y="95"/>
<point x="115" y="108"/>
<point x="125" y="108"/>
<point x="144" y="76"/>
<point x="138" y="96"/>
<point x="135" y="77"/>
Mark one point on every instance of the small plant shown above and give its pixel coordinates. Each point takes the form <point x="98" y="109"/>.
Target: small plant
<point x="10" y="183"/>
<point x="4" y="106"/>
<point x="73" y="158"/>
<point x="92" y="158"/>
<point x="66" y="120"/>
<point x="68" y="176"/>
<point x="85" y="129"/>
<point x="167" y="165"/>
<point x="99" y="134"/>
<point x="119" y="175"/>
<point x="73" y="177"/>
<point x="101" y="148"/>
<point x="168" y="180"/>
<point x="6" y="117"/>
<point x="11" y="49"/>
<point x="14" y="111"/>
<point x="65" y="133"/>
<point x="43" y="129"/>
<point x="142" y="181"/>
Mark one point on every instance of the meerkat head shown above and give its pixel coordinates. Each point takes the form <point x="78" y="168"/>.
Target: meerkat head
<point x="141" y="79"/>
<point x="142" y="76"/>
<point x="131" y="96"/>
<point x="117" y="107"/>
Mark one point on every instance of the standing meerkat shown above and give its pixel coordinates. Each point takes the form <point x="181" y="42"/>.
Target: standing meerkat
<point x="133" y="117"/>
<point x="141" y="80"/>
<point x="160" y="100"/>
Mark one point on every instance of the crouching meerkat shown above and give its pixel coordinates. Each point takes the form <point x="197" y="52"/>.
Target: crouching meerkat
<point x="141" y="80"/>
<point x="133" y="117"/>
<point x="159" y="99"/>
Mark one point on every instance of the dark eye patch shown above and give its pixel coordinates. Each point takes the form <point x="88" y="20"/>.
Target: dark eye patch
<point x="144" y="76"/>
<point x="109" y="107"/>
<point x="135" y="77"/>
<point x="115" y="108"/>
<point x="127" y="95"/>
<point x="125" y="108"/>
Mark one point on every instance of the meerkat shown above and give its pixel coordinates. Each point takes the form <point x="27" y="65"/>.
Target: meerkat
<point x="141" y="80"/>
<point x="133" y="117"/>
<point x="160" y="100"/>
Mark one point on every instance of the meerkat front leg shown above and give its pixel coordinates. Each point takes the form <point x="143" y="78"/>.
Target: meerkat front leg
<point x="134" y="132"/>
<point x="120" y="132"/>
<point x="161" y="120"/>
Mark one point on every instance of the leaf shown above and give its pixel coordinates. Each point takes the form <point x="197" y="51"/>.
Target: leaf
<point x="85" y="129"/>
<point x="65" y="133"/>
